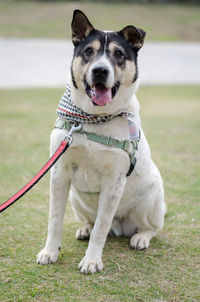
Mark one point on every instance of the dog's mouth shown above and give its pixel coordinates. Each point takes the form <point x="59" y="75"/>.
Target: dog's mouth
<point x="100" y="95"/>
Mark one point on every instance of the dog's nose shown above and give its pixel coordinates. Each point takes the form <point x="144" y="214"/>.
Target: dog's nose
<point x="100" y="74"/>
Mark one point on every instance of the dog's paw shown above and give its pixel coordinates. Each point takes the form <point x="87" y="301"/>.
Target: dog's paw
<point x="90" y="265"/>
<point x="46" y="257"/>
<point x="84" y="232"/>
<point x="139" y="241"/>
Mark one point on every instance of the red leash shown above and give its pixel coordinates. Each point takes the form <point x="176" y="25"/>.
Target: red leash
<point x="61" y="149"/>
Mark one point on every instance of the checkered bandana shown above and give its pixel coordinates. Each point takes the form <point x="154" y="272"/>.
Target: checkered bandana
<point x="67" y="110"/>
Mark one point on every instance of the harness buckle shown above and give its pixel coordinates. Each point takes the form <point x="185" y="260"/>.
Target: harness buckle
<point x="127" y="145"/>
<point x="111" y="141"/>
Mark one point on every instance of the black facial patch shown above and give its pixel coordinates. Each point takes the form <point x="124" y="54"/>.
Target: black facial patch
<point x="82" y="48"/>
<point x="120" y="54"/>
<point x="73" y="79"/>
<point x="116" y="37"/>
<point x="136" y="72"/>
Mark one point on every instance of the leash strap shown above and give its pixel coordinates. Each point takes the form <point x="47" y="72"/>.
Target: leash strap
<point x="61" y="149"/>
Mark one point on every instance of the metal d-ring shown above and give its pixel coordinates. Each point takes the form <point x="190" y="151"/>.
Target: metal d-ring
<point x="74" y="128"/>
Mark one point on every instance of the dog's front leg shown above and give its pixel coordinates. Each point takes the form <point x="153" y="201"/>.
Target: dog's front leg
<point x="108" y="203"/>
<point x="59" y="190"/>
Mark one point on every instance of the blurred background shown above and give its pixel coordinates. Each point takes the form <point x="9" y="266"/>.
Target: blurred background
<point x="35" y="49"/>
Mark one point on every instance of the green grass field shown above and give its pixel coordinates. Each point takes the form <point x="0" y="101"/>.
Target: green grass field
<point x="162" y="22"/>
<point x="168" y="271"/>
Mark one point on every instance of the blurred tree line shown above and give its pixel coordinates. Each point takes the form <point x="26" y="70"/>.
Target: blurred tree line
<point x="131" y="1"/>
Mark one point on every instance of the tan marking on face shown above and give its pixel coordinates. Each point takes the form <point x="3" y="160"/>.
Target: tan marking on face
<point x="79" y="70"/>
<point x="112" y="46"/>
<point x="96" y="44"/>
<point x="129" y="73"/>
<point x="119" y="74"/>
<point x="126" y="75"/>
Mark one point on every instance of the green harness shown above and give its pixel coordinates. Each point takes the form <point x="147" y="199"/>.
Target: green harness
<point x="129" y="146"/>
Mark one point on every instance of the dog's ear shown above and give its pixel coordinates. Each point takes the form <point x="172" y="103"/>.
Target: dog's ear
<point x="81" y="27"/>
<point x="134" y="36"/>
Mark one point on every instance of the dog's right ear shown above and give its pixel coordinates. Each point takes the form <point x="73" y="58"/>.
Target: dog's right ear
<point x="134" y="36"/>
<point x="81" y="27"/>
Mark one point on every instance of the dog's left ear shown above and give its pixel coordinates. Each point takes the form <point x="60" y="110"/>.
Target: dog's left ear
<point x="134" y="36"/>
<point x="81" y="27"/>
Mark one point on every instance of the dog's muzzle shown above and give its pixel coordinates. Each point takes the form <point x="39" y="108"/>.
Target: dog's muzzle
<point x="99" y="92"/>
<point x="100" y="95"/>
<point x="99" y="83"/>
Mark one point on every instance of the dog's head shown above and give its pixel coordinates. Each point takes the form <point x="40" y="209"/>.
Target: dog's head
<point x="104" y="67"/>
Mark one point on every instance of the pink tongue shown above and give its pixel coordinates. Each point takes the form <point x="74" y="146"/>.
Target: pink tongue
<point x="101" y="95"/>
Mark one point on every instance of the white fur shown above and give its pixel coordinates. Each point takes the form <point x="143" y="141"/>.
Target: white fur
<point x="131" y="206"/>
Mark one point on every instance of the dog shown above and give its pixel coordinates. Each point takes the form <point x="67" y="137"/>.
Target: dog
<point x="102" y="84"/>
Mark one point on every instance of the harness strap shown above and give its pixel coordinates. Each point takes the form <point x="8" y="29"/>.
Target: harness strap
<point x="128" y="146"/>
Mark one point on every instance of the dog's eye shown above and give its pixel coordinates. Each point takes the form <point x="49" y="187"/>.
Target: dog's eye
<point x="119" y="55"/>
<point x="88" y="52"/>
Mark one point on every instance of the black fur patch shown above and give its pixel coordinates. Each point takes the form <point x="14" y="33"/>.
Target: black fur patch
<point x="73" y="79"/>
<point x="129" y="53"/>
<point x="136" y="72"/>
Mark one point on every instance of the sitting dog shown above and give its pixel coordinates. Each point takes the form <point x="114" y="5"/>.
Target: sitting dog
<point x="114" y="185"/>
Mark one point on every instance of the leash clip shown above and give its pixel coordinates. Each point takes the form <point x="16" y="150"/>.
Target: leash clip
<point x="74" y="128"/>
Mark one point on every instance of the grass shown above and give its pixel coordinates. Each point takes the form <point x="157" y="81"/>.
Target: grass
<point x="168" y="271"/>
<point x="163" y="22"/>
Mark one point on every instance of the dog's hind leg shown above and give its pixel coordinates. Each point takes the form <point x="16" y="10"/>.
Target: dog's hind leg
<point x="148" y="218"/>
<point x="58" y="198"/>
<point x="82" y="212"/>
<point x="84" y="232"/>
<point x="141" y="240"/>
